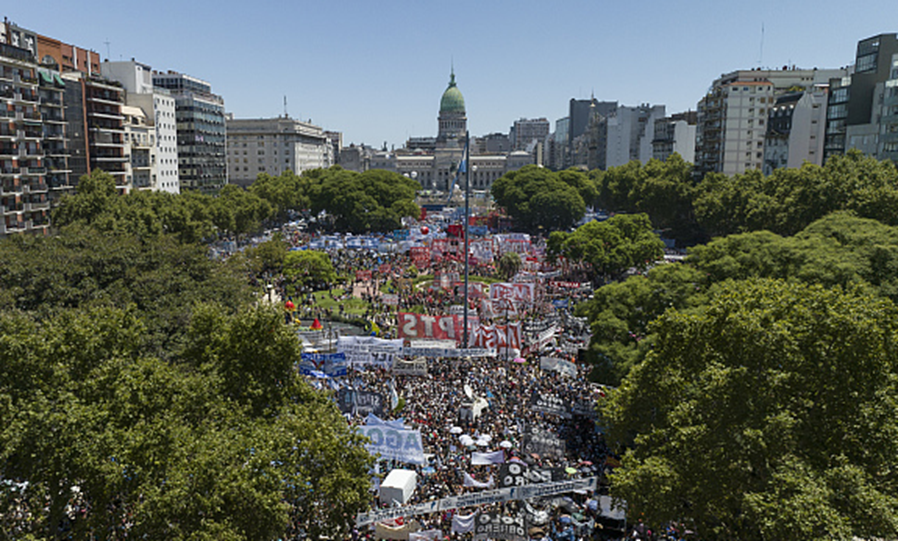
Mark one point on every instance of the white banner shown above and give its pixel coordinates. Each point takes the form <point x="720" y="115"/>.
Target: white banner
<point x="463" y="523"/>
<point x="480" y="498"/>
<point x="450" y="352"/>
<point x="392" y="444"/>
<point x="485" y="459"/>
<point x="365" y="350"/>
<point x="469" y="481"/>
<point x="415" y="367"/>
<point x="426" y="535"/>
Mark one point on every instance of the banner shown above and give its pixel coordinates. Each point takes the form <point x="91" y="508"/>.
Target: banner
<point x="392" y="444"/>
<point x="497" y="336"/>
<point x="426" y="535"/>
<point x="332" y="364"/>
<point x="479" y="498"/>
<point x="401" y="532"/>
<point x="550" y="404"/>
<point x="360" y="402"/>
<point x="475" y="289"/>
<point x="469" y="481"/>
<point x="463" y="523"/>
<point x="366" y="350"/>
<point x="512" y="474"/>
<point x="415" y="367"/>
<point x="543" y="443"/>
<point x="473" y="352"/>
<point x="390" y="299"/>
<point x="420" y="256"/>
<point x="481" y="459"/>
<point x="565" y="368"/>
<point x="585" y="408"/>
<point x="514" y="292"/>
<point x="420" y="326"/>
<point x="495" y="526"/>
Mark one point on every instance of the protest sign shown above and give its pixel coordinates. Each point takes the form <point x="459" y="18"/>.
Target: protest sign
<point x="549" y="403"/>
<point x="332" y="364"/>
<point x="495" y="526"/>
<point x="394" y="444"/>
<point x="414" y="367"/>
<point x="417" y="326"/>
<point x="543" y="443"/>
<point x="563" y="367"/>
<point x="360" y="402"/>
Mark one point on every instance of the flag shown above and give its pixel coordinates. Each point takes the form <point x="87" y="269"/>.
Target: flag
<point x="462" y="167"/>
<point x="394" y="396"/>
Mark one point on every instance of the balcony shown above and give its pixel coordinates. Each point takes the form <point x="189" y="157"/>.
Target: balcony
<point x="14" y="209"/>
<point x="35" y="171"/>
<point x="8" y="150"/>
<point x="9" y="188"/>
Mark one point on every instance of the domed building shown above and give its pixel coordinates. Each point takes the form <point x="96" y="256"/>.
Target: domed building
<point x="434" y="161"/>
<point x="452" y="119"/>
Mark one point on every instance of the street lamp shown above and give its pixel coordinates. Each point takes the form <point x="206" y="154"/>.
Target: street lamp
<point x="467" y="197"/>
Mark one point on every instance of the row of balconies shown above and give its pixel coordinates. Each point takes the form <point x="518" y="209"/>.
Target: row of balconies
<point x="26" y="226"/>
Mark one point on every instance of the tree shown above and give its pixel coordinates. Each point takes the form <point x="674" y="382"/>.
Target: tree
<point x="375" y="200"/>
<point x="770" y="415"/>
<point x="509" y="265"/>
<point x="285" y="192"/>
<point x="610" y="247"/>
<point x="309" y="268"/>
<point x="226" y="441"/>
<point x="541" y="201"/>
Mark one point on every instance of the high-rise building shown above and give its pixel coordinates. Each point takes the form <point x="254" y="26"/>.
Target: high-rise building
<point x="95" y="124"/>
<point x="24" y="193"/>
<point x="273" y="146"/>
<point x="796" y="125"/>
<point x="888" y="139"/>
<point x="159" y="172"/>
<point x="732" y="117"/>
<point x="675" y="133"/>
<point x="857" y="100"/>
<point x="200" y="122"/>
<point x="525" y="132"/>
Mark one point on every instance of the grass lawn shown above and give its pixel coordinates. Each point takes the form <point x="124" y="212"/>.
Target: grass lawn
<point x="353" y="306"/>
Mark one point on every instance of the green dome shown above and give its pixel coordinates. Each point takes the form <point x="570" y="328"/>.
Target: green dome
<point x="452" y="101"/>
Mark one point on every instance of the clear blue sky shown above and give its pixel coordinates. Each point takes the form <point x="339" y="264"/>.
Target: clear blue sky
<point x="375" y="70"/>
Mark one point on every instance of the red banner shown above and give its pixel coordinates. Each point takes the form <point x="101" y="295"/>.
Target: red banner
<point x="420" y="256"/>
<point x="363" y="275"/>
<point x="384" y="268"/>
<point x="424" y="327"/>
<point x="476" y="291"/>
<point x="518" y="293"/>
<point x="497" y="336"/>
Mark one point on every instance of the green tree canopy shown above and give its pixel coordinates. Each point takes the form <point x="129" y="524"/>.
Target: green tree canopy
<point x="284" y="192"/>
<point x="82" y="267"/>
<point x="227" y="441"/>
<point x="375" y="200"/>
<point x="542" y="201"/>
<point x="311" y="268"/>
<point x="610" y="247"/>
<point x="769" y="415"/>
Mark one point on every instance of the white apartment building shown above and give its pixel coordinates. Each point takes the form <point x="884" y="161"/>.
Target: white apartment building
<point x="158" y="107"/>
<point x="796" y="128"/>
<point x="273" y="146"/>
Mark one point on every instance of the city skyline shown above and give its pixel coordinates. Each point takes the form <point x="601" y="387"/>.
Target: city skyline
<point x="376" y="72"/>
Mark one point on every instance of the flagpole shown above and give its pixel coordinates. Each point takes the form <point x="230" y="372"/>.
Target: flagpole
<point x="467" y="196"/>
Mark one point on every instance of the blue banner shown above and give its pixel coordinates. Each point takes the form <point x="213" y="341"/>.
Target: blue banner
<point x="332" y="364"/>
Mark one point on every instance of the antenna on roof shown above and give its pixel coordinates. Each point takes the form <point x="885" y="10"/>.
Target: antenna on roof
<point x="285" y="107"/>
<point x="107" y="48"/>
<point x="761" y="54"/>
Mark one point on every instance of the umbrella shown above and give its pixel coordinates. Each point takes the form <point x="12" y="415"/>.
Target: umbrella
<point x="482" y="443"/>
<point x="505" y="444"/>
<point x="570" y="470"/>
<point x="456" y="430"/>
<point x="519" y="360"/>
<point x="466" y="440"/>
<point x="486" y="437"/>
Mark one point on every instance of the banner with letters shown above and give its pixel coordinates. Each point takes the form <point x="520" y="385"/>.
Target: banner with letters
<point x="517" y="293"/>
<point x="551" y="404"/>
<point x="555" y="364"/>
<point x="479" y="498"/>
<point x="332" y="364"/>
<point x="414" y="367"/>
<point x="368" y="350"/>
<point x="394" y="444"/>
<point x="360" y="402"/>
<point x="543" y="443"/>
<point x="497" y="336"/>
<point x="496" y="526"/>
<point x="422" y="326"/>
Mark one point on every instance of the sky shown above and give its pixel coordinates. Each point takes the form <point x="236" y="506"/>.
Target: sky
<point x="375" y="70"/>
